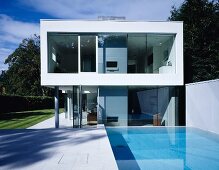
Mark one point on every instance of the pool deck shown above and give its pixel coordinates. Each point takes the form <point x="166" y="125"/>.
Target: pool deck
<point x="56" y="149"/>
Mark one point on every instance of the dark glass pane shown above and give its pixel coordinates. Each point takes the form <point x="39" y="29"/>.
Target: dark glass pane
<point x="88" y="53"/>
<point x="62" y="53"/>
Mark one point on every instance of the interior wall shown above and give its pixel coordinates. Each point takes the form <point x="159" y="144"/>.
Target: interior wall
<point x="148" y="101"/>
<point x="172" y="54"/>
<point x="159" y="58"/>
<point x="167" y="106"/>
<point x="100" y="60"/>
<point x="119" y="55"/>
<point x="112" y="54"/>
<point x="113" y="102"/>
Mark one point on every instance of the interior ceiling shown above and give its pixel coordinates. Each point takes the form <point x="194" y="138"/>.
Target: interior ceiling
<point x="65" y="41"/>
<point x="91" y="89"/>
<point x="133" y="41"/>
<point x="137" y="45"/>
<point x="150" y="41"/>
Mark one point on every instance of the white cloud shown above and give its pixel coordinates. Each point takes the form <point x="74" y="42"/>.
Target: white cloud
<point x="13" y="31"/>
<point x="91" y="9"/>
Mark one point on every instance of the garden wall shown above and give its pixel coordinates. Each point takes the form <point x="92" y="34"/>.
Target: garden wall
<point x="202" y="105"/>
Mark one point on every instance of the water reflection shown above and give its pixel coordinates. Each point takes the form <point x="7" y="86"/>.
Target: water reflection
<point x="164" y="148"/>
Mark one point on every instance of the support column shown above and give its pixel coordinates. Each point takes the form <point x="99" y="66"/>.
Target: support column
<point x="80" y="103"/>
<point x="73" y="104"/>
<point x="56" y="106"/>
<point x="65" y="105"/>
<point x="68" y="105"/>
<point x="99" y="110"/>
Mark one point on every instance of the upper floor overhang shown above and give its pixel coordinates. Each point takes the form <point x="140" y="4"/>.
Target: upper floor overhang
<point x="151" y="54"/>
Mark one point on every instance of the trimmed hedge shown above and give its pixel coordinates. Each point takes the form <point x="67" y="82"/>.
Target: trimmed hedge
<point x="25" y="103"/>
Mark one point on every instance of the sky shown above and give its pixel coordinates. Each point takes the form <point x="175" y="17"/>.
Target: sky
<point x="20" y="19"/>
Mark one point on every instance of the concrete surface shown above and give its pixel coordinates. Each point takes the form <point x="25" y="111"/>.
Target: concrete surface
<point x="50" y="123"/>
<point x="56" y="149"/>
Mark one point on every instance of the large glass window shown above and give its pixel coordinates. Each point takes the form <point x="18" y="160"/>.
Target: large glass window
<point x="112" y="53"/>
<point x="151" y="53"/>
<point x="62" y="53"/>
<point x="117" y="53"/>
<point x="88" y="53"/>
<point x="136" y="53"/>
<point x="153" y="106"/>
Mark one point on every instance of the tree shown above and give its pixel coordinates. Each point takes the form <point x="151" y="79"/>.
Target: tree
<point x="201" y="38"/>
<point x="23" y="74"/>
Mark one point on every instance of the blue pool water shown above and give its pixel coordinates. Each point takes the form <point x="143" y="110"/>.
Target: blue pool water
<point x="170" y="148"/>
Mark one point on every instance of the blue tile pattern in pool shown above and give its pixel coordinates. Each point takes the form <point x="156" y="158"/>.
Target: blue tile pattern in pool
<point x="169" y="148"/>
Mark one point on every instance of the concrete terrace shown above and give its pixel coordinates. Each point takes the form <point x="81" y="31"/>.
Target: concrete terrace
<point x="56" y="149"/>
<point x="50" y="123"/>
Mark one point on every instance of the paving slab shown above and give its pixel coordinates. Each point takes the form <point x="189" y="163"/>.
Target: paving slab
<point x="56" y="149"/>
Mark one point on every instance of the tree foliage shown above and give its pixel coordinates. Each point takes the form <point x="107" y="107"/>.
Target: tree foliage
<point x="201" y="38"/>
<point x="23" y="74"/>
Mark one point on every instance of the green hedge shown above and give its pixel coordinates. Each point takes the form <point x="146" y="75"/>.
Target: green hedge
<point x="24" y="103"/>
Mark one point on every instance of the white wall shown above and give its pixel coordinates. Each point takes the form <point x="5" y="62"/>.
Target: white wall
<point x="202" y="105"/>
<point x="69" y="79"/>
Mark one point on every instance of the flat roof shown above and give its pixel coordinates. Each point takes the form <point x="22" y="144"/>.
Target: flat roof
<point x="106" y="20"/>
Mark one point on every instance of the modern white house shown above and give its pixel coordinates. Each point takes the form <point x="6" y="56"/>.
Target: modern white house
<point x="114" y="72"/>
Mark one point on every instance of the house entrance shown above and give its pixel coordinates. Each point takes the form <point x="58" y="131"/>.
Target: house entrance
<point x="84" y="104"/>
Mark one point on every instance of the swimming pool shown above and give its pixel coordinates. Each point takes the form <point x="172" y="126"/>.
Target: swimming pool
<point x="170" y="148"/>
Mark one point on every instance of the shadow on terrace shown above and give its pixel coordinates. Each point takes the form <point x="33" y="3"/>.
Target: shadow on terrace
<point x="22" y="147"/>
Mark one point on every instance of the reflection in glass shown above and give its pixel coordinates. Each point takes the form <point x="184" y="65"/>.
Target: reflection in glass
<point x="153" y="106"/>
<point x="88" y="53"/>
<point x="151" y="53"/>
<point x="62" y="53"/>
<point x="112" y="53"/>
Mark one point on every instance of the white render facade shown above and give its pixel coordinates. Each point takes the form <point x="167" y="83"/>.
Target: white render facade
<point x="122" y="72"/>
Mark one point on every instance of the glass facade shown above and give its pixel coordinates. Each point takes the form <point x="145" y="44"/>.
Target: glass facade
<point x="157" y="106"/>
<point x="125" y="106"/>
<point x="134" y="106"/>
<point x="81" y="106"/>
<point x="112" y="53"/>
<point x="62" y="53"/>
<point x="129" y="53"/>
<point x="88" y="53"/>
<point x="151" y="53"/>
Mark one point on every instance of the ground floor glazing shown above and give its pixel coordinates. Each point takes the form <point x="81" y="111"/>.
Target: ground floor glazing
<point x="124" y="106"/>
